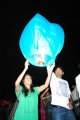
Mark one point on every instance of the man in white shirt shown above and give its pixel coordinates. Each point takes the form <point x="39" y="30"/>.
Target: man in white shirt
<point x="61" y="107"/>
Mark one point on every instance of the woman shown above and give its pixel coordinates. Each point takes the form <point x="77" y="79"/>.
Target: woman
<point x="46" y="102"/>
<point x="28" y="100"/>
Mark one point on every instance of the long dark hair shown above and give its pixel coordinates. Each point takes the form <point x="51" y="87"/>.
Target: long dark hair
<point x="25" y="89"/>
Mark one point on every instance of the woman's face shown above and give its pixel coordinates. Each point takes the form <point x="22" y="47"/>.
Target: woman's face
<point x="27" y="80"/>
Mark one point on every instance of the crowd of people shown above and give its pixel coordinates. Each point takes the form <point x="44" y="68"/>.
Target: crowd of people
<point x="56" y="98"/>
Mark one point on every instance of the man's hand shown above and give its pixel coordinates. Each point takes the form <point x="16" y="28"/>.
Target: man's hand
<point x="70" y="105"/>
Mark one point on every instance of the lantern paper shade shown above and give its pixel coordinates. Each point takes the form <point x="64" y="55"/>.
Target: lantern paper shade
<point x="41" y="41"/>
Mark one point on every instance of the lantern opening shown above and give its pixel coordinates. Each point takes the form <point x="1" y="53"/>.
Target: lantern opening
<point x="40" y="58"/>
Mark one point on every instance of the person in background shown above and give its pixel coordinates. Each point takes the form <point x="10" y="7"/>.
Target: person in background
<point x="46" y="99"/>
<point x="28" y="100"/>
<point x="3" y="109"/>
<point x="62" y="108"/>
<point x="42" y="108"/>
<point x="76" y="97"/>
<point x="78" y="83"/>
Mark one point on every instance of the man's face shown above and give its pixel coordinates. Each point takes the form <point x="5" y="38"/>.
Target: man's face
<point x="59" y="72"/>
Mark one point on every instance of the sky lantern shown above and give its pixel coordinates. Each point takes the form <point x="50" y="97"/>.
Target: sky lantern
<point x="41" y="41"/>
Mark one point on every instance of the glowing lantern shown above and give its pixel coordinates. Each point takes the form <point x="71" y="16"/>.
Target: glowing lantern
<point x="41" y="41"/>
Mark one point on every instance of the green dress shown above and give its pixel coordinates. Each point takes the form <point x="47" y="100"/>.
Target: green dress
<point x="28" y="106"/>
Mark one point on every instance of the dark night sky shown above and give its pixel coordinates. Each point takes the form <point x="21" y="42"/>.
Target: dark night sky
<point x="15" y="15"/>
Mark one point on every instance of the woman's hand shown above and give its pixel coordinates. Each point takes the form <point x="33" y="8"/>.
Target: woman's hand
<point x="50" y="68"/>
<point x="26" y="64"/>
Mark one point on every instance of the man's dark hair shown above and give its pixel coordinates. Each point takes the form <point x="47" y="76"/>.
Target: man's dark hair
<point x="58" y="66"/>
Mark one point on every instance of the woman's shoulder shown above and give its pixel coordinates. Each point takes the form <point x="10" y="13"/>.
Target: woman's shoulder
<point x="36" y="89"/>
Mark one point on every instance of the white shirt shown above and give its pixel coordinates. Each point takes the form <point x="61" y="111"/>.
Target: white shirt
<point x="60" y="91"/>
<point x="78" y="84"/>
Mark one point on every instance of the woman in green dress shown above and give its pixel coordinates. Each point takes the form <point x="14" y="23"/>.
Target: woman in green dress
<point x="28" y="100"/>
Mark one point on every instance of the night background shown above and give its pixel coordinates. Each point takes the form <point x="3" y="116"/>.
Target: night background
<point x="15" y="15"/>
